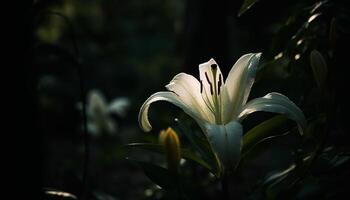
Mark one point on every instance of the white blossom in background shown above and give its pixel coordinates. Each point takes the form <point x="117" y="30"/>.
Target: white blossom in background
<point x="99" y="120"/>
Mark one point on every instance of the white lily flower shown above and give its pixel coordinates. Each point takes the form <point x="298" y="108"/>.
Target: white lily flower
<point x="99" y="112"/>
<point x="218" y="107"/>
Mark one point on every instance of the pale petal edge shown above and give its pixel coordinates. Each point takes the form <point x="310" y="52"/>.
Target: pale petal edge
<point x="239" y="82"/>
<point x="276" y="103"/>
<point x="244" y="68"/>
<point x="163" y="96"/>
<point x="119" y="106"/>
<point x="188" y="89"/>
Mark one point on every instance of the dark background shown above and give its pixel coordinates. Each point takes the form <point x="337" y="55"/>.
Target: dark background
<point x="133" y="49"/>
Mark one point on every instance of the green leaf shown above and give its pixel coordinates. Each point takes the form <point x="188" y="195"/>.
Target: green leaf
<point x="340" y="160"/>
<point x="147" y="146"/>
<point x="191" y="156"/>
<point x="319" y="67"/>
<point x="262" y="131"/>
<point x="247" y="4"/>
<point x="278" y="176"/>
<point x="159" y="175"/>
<point x="185" y="153"/>
<point x="200" y="143"/>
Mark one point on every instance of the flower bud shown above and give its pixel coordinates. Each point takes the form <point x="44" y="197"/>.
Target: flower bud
<point x="169" y="139"/>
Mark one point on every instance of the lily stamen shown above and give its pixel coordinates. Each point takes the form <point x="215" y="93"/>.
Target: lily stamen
<point x="201" y="86"/>
<point x="211" y="86"/>
<point x="219" y="84"/>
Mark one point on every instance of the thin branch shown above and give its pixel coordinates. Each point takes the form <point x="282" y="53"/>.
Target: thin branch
<point x="83" y="100"/>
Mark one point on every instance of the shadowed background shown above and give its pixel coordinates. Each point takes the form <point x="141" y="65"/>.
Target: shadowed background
<point x="133" y="48"/>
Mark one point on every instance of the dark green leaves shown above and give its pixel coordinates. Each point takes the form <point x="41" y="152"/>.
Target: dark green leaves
<point x="185" y="153"/>
<point x="319" y="67"/>
<point x="292" y="181"/>
<point x="247" y="4"/>
<point x="262" y="132"/>
<point x="158" y="175"/>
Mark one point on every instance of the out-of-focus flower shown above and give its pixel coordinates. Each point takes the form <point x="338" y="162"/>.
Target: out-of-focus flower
<point x="219" y="107"/>
<point x="99" y="112"/>
<point x="171" y="143"/>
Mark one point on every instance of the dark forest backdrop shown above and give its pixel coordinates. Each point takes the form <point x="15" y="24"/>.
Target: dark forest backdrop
<point x="132" y="49"/>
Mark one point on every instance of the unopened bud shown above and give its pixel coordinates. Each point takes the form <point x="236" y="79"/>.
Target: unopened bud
<point x="169" y="139"/>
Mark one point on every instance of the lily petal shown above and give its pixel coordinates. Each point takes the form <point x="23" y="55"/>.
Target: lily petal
<point x="276" y="103"/>
<point x="119" y="106"/>
<point x="169" y="97"/>
<point x="96" y="104"/>
<point x="188" y="89"/>
<point x="239" y="82"/>
<point x="211" y="81"/>
<point x="226" y="141"/>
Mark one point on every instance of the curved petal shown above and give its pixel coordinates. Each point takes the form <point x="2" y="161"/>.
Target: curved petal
<point x="188" y="89"/>
<point x="96" y="104"/>
<point x="211" y="82"/>
<point x="164" y="96"/>
<point x="277" y="103"/>
<point x="226" y="141"/>
<point x="239" y="82"/>
<point x="119" y="106"/>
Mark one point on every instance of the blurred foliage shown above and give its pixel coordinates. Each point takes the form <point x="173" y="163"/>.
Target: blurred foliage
<point x="246" y="5"/>
<point x="132" y="48"/>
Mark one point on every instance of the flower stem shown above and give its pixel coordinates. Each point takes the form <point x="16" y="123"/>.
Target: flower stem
<point x="225" y="186"/>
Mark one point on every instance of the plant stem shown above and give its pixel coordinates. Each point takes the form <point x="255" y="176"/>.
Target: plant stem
<point x="225" y="186"/>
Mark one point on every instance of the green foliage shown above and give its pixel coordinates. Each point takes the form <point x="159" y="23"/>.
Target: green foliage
<point x="319" y="67"/>
<point x="247" y="4"/>
<point x="262" y="132"/>
<point x="185" y="153"/>
<point x="158" y="175"/>
<point x="285" y="182"/>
